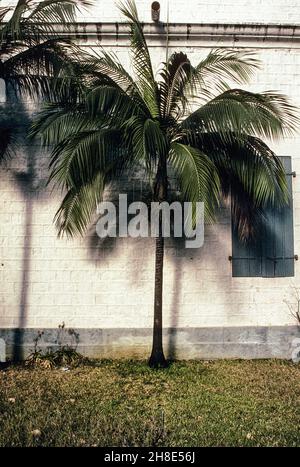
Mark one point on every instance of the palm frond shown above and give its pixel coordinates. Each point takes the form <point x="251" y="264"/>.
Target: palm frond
<point x="184" y="83"/>
<point x="42" y="62"/>
<point x="77" y="159"/>
<point x="113" y="103"/>
<point x="78" y="207"/>
<point x="223" y="65"/>
<point x="108" y="64"/>
<point x="57" y="11"/>
<point x="58" y="121"/>
<point x="31" y="61"/>
<point x="250" y="174"/>
<point x="36" y="20"/>
<point x="145" y="142"/>
<point x="175" y="74"/>
<point x="197" y="175"/>
<point x="107" y="69"/>
<point x="268" y="115"/>
<point x="141" y="59"/>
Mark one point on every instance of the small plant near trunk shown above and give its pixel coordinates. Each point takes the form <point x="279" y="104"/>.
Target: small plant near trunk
<point x="65" y="355"/>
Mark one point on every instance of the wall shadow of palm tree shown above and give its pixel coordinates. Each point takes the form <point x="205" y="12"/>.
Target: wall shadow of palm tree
<point x="108" y="248"/>
<point x="22" y="164"/>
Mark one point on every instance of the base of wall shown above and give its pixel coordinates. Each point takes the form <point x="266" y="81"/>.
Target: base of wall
<point x="182" y="343"/>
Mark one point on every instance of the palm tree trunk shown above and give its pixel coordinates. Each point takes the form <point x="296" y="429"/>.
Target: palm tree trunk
<point x="157" y="358"/>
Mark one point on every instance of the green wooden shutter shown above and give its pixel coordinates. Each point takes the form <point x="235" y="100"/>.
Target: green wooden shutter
<point x="271" y="254"/>
<point x="246" y="257"/>
<point x="278" y="235"/>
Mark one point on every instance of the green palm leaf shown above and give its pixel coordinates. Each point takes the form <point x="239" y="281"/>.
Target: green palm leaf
<point x="175" y="75"/>
<point x="250" y="174"/>
<point x="141" y="60"/>
<point x="77" y="159"/>
<point x="78" y="207"/>
<point x="57" y="11"/>
<point x="59" y="121"/>
<point x="197" y="175"/>
<point x="268" y="114"/>
<point x="224" y="66"/>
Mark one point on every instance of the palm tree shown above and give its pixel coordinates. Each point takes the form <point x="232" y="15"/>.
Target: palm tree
<point x="32" y="55"/>
<point x="188" y="121"/>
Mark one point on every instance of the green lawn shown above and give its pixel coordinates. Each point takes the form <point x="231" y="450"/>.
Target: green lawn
<point x="221" y="403"/>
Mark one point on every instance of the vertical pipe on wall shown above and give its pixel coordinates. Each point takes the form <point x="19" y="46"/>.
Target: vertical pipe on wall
<point x="167" y="37"/>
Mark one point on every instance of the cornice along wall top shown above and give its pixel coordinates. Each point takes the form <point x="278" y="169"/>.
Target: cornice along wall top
<point x="192" y="33"/>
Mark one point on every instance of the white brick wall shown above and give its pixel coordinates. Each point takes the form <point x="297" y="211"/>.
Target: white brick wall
<point x="87" y="286"/>
<point x="208" y="11"/>
<point x="196" y="11"/>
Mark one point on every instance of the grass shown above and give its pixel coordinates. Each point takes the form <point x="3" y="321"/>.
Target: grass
<point x="123" y="403"/>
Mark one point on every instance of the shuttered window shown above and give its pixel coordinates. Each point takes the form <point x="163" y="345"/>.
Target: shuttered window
<point x="271" y="254"/>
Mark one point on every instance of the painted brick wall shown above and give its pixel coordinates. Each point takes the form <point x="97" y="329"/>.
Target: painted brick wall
<point x="208" y="11"/>
<point x="45" y="281"/>
<point x="196" y="11"/>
